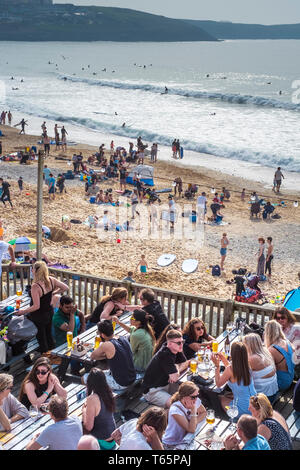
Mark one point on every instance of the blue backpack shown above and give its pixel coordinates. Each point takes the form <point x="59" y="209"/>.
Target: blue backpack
<point x="216" y="270"/>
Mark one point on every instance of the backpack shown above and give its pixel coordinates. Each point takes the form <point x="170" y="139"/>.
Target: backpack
<point x="216" y="270"/>
<point x="20" y="329"/>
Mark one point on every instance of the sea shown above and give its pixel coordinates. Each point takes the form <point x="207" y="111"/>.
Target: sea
<point x="233" y="105"/>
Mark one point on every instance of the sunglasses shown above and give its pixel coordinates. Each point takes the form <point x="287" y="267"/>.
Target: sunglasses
<point x="132" y="318"/>
<point x="178" y="342"/>
<point x="42" y="372"/>
<point x="199" y="328"/>
<point x="9" y="388"/>
<point x="193" y="397"/>
<point x="280" y="318"/>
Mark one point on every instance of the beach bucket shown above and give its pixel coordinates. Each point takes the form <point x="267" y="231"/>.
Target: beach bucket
<point x="92" y="200"/>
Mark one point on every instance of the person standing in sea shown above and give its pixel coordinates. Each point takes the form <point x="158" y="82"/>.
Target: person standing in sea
<point x="278" y="179"/>
<point x="261" y="257"/>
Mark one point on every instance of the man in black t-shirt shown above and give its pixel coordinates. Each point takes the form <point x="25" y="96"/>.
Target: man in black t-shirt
<point x="162" y="374"/>
<point x="153" y="307"/>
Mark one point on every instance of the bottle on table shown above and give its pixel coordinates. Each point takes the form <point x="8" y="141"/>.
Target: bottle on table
<point x="227" y="347"/>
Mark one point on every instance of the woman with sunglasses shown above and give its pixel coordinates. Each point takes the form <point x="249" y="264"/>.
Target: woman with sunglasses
<point x="195" y="336"/>
<point x="11" y="410"/>
<point x="291" y="329"/>
<point x="185" y="413"/>
<point x="271" y="424"/>
<point x="39" y="384"/>
<point x="142" y="339"/>
<point x="282" y="352"/>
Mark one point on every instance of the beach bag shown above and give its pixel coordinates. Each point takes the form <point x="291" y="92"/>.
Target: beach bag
<point x="20" y="329"/>
<point x="216" y="270"/>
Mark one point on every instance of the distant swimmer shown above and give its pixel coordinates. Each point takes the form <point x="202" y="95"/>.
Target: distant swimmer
<point x="269" y="83"/>
<point x="94" y="73"/>
<point x="15" y="89"/>
<point x="103" y="70"/>
<point x="280" y="92"/>
<point x="124" y="124"/>
<point x="113" y="71"/>
<point x="82" y="68"/>
<point x="166" y="89"/>
<point x="12" y="78"/>
<point x="116" y="114"/>
<point x="65" y="78"/>
<point x="213" y="114"/>
<point x="207" y="75"/>
<point x="88" y="66"/>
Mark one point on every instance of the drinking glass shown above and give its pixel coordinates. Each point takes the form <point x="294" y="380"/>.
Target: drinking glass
<point x="229" y="327"/>
<point x="19" y="291"/>
<point x="33" y="411"/>
<point x="215" y="346"/>
<point x="232" y="411"/>
<point x="193" y="366"/>
<point x="210" y="417"/>
<point x="69" y="339"/>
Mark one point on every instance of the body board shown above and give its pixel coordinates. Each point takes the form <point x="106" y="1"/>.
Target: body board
<point x="189" y="265"/>
<point x="166" y="259"/>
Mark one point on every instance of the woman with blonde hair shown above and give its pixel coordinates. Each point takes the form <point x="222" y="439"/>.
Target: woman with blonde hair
<point x="262" y="365"/>
<point x="271" y="425"/>
<point x="11" y="410"/>
<point x="185" y="413"/>
<point x="282" y="352"/>
<point x="43" y="288"/>
<point x="237" y="375"/>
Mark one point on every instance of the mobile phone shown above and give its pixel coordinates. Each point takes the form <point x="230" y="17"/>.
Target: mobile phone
<point x="81" y="395"/>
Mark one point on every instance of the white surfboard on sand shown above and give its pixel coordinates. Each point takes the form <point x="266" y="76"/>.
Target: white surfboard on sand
<point x="166" y="259"/>
<point x="189" y="265"/>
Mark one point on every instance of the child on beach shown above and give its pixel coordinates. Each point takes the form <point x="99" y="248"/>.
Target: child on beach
<point x="20" y="184"/>
<point x="223" y="250"/>
<point x="143" y="266"/>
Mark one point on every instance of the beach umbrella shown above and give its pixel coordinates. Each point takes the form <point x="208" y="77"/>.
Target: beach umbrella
<point x="23" y="243"/>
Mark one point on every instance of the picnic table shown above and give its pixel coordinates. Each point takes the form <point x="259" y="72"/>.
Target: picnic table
<point x="4" y="317"/>
<point x="88" y="338"/>
<point x="24" y="430"/>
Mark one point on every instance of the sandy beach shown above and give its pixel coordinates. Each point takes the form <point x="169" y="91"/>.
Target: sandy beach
<point x="93" y="252"/>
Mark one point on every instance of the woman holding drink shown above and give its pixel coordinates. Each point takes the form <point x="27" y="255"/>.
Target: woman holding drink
<point x="238" y="377"/>
<point x="196" y="337"/>
<point x="185" y="413"/>
<point x="43" y="288"/>
<point x="39" y="384"/>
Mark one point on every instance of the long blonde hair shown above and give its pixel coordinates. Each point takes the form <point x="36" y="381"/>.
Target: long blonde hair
<point x="255" y="346"/>
<point x="273" y="333"/>
<point x="261" y="403"/>
<point x="41" y="273"/>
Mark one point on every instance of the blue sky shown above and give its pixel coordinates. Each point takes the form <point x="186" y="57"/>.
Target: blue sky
<point x="254" y="11"/>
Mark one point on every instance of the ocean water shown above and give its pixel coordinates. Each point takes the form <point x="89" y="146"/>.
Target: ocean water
<point x="223" y="101"/>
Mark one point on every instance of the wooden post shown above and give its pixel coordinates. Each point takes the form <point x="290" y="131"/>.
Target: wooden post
<point x="39" y="213"/>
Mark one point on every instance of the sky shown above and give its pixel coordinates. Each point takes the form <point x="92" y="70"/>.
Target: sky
<point x="242" y="11"/>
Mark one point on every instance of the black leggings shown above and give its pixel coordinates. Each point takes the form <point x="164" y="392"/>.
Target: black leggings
<point x="268" y="265"/>
<point x="44" y="335"/>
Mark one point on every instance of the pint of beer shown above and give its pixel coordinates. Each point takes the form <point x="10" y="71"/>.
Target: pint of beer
<point x="215" y="347"/>
<point x="70" y="339"/>
<point x="210" y="416"/>
<point x="97" y="341"/>
<point x="193" y="366"/>
<point x="114" y="325"/>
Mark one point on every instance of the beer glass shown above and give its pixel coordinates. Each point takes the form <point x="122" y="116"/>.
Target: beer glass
<point x="97" y="341"/>
<point x="210" y="416"/>
<point x="19" y="291"/>
<point x="193" y="366"/>
<point x="70" y="339"/>
<point x="33" y="411"/>
<point x="114" y="325"/>
<point x="215" y="346"/>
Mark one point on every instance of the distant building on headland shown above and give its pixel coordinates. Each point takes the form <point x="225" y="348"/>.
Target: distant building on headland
<point x="30" y="3"/>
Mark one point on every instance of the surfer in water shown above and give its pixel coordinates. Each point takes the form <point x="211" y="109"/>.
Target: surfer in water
<point x="124" y="124"/>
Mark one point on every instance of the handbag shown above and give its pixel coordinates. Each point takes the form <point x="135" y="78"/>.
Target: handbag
<point x="20" y="329"/>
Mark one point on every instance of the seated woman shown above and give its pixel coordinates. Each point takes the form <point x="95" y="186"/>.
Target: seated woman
<point x="111" y="305"/>
<point x="271" y="424"/>
<point x="144" y="433"/>
<point x="185" y="413"/>
<point x="237" y="375"/>
<point x="11" y="410"/>
<point x="162" y="338"/>
<point x="195" y="336"/>
<point x="98" y="410"/>
<point x="262" y="365"/>
<point x="282" y="352"/>
<point x="291" y="329"/>
<point x="142" y="339"/>
<point x="39" y="384"/>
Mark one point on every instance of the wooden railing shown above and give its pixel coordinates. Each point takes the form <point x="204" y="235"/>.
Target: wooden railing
<point x="180" y="307"/>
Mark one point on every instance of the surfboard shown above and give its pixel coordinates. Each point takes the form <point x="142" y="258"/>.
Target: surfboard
<point x="181" y="152"/>
<point x="166" y="259"/>
<point x="189" y="265"/>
